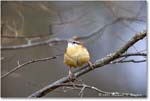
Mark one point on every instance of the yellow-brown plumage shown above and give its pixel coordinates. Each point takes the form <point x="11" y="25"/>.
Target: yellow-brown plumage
<point x="76" y="55"/>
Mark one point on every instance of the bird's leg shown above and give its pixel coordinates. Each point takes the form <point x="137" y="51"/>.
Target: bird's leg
<point x="90" y="64"/>
<point x="71" y="75"/>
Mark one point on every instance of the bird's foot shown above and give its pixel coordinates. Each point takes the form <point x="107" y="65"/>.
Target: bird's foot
<point x="72" y="77"/>
<point x="90" y="65"/>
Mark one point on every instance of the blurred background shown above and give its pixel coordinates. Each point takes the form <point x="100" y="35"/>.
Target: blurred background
<point x="29" y="22"/>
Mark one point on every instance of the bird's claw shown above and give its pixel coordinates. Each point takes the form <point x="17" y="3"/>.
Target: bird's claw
<point x="90" y="65"/>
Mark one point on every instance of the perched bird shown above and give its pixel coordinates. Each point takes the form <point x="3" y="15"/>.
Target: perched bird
<point x="76" y="55"/>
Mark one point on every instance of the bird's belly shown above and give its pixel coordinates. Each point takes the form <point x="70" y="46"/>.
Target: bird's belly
<point x="76" y="60"/>
<point x="76" y="56"/>
<point x="82" y="59"/>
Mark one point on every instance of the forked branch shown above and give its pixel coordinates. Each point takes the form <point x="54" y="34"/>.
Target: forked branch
<point x="99" y="63"/>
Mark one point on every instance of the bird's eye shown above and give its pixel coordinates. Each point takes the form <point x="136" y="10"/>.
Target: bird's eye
<point x="74" y="42"/>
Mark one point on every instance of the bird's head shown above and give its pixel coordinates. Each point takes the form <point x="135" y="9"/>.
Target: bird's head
<point x="73" y="43"/>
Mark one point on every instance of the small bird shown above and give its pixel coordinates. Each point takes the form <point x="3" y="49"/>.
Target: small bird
<point x="76" y="55"/>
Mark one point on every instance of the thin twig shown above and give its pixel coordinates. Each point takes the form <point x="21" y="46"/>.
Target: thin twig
<point x="125" y="56"/>
<point x="127" y="61"/>
<point x="28" y="62"/>
<point x="46" y="42"/>
<point x="19" y="66"/>
<point x="24" y="37"/>
<point x="99" y="63"/>
<point x="101" y="92"/>
<point x="134" y="54"/>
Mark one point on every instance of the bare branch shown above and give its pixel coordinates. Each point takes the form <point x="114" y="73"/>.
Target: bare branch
<point x="46" y="42"/>
<point x="24" y="37"/>
<point x="99" y="63"/>
<point x="56" y="40"/>
<point x="125" y="56"/>
<point x="134" y="54"/>
<point x="28" y="62"/>
<point x="127" y="61"/>
<point x="99" y="91"/>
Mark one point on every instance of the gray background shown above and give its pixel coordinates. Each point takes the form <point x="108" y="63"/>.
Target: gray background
<point x="72" y="19"/>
